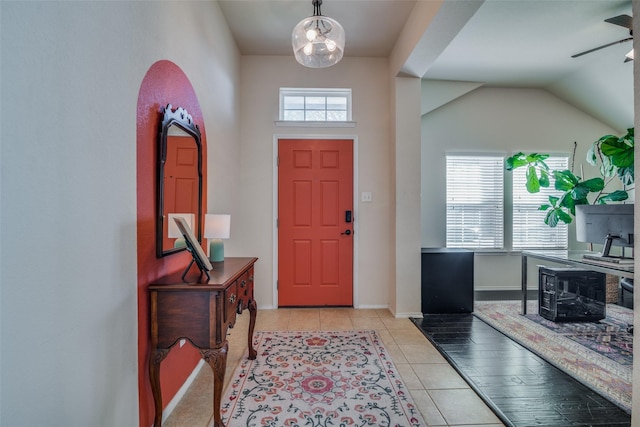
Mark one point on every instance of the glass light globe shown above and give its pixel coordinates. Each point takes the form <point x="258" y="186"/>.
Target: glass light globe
<point x="325" y="49"/>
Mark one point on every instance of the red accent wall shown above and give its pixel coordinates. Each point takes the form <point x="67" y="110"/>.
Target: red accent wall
<point x="165" y="83"/>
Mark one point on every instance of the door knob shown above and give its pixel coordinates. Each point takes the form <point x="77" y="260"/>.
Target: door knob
<point x="347" y="232"/>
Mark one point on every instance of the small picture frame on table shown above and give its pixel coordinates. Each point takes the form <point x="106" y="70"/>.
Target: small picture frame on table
<point x="193" y="246"/>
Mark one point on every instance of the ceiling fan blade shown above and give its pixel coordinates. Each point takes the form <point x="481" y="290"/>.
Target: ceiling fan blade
<point x="622" y="20"/>
<point x="602" y="47"/>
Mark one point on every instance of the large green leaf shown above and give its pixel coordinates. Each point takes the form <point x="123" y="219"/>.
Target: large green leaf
<point x="538" y="159"/>
<point x="611" y="153"/>
<point x="555" y="215"/>
<point x="626" y="175"/>
<point x="516" y="161"/>
<point x="618" y="151"/>
<point x="607" y="169"/>
<point x="565" y="217"/>
<point x="544" y="178"/>
<point x="592" y="159"/>
<point x="551" y="219"/>
<point x="533" y="183"/>
<point x="582" y="189"/>
<point x="565" y="180"/>
<point x="555" y="212"/>
<point x="616" y="196"/>
<point x="593" y="184"/>
<point x="567" y="201"/>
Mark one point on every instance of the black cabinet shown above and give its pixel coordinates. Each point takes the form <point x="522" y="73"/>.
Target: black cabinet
<point x="447" y="280"/>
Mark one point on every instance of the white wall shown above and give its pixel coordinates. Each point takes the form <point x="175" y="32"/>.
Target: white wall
<point x="71" y="72"/>
<point x="261" y="79"/>
<point x="497" y="120"/>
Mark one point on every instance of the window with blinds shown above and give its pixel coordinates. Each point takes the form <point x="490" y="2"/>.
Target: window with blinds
<point x="529" y="229"/>
<point x="475" y="201"/>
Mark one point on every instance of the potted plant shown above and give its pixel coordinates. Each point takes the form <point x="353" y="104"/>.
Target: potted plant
<point x="611" y="154"/>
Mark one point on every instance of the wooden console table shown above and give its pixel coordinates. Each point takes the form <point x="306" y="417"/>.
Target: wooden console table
<point x="202" y="314"/>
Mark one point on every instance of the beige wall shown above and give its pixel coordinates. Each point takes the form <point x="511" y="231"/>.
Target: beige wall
<point x="261" y="79"/>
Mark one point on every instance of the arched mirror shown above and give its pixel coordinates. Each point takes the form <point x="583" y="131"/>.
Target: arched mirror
<point x="179" y="179"/>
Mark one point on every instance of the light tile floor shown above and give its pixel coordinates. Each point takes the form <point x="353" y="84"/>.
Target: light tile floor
<point x="443" y="397"/>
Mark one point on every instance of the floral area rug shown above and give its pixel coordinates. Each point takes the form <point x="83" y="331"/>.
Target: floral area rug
<point x="318" y="379"/>
<point x="599" y="354"/>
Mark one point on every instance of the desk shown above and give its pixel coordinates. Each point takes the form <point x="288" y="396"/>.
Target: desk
<point x="571" y="258"/>
<point x="202" y="314"/>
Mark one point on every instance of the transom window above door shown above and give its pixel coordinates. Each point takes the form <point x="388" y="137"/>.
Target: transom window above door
<point x="315" y="105"/>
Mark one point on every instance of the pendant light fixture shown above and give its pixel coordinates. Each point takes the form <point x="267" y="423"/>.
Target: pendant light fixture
<point x="318" y="41"/>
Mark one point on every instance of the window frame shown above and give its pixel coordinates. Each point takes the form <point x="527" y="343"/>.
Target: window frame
<point x="314" y="93"/>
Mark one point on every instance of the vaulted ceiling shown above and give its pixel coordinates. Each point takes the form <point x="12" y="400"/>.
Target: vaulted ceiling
<point x="498" y="43"/>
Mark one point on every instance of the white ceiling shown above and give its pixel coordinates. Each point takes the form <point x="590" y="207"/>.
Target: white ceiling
<point x="506" y="43"/>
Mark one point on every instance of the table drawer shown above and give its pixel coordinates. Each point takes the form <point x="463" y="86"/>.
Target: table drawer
<point x="245" y="288"/>
<point x="231" y="302"/>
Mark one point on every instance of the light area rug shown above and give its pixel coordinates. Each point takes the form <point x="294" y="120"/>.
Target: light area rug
<point x="596" y="354"/>
<point x="315" y="379"/>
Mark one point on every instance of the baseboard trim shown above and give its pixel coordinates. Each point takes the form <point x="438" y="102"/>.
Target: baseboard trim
<point x="359" y="307"/>
<point x="372" y="307"/>
<point x="499" y="295"/>
<point x="408" y="315"/>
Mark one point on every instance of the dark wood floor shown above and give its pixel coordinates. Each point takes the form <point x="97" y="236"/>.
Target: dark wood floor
<point x="521" y="388"/>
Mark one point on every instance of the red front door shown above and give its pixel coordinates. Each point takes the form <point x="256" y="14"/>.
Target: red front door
<point x="315" y="236"/>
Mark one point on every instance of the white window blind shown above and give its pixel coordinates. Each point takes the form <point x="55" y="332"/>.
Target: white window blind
<point x="475" y="201"/>
<point x="529" y="229"/>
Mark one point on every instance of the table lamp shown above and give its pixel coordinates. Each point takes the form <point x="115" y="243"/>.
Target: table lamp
<point x="216" y="228"/>
<point x="174" y="231"/>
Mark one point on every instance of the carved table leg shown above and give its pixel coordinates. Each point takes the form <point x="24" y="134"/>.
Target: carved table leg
<point x="217" y="359"/>
<point x="157" y="356"/>
<point x="253" y="311"/>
